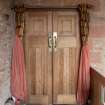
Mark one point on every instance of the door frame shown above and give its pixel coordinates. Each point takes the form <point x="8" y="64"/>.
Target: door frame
<point x="72" y="10"/>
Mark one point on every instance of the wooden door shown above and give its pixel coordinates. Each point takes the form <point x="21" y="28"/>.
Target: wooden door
<point x="65" y="57"/>
<point x="52" y="75"/>
<point x="38" y="57"/>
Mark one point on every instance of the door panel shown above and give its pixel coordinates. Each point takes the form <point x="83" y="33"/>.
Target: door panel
<point x="38" y="57"/>
<point x="65" y="57"/>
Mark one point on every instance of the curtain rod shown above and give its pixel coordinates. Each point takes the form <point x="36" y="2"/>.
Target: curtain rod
<point x="46" y="8"/>
<point x="50" y="9"/>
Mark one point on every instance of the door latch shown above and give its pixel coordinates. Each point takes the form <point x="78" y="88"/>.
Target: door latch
<point x="50" y="41"/>
<point x="54" y="40"/>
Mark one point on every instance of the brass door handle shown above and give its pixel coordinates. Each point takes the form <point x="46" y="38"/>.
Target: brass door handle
<point x="54" y="40"/>
<point x="50" y="39"/>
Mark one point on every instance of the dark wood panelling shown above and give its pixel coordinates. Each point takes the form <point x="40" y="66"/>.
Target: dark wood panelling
<point x="97" y="81"/>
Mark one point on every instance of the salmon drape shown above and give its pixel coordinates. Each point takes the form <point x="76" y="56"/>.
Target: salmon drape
<point x="18" y="79"/>
<point x="84" y="76"/>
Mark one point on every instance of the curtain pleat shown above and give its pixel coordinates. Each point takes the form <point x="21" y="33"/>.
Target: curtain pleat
<point x="84" y="76"/>
<point x="18" y="78"/>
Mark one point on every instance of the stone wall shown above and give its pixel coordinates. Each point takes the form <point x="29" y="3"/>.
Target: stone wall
<point x="97" y="36"/>
<point x="6" y="39"/>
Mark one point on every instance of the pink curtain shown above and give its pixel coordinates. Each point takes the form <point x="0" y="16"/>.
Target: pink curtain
<point x="84" y="76"/>
<point x="18" y="79"/>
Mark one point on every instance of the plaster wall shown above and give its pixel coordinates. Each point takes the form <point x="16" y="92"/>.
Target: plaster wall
<point x="6" y="39"/>
<point x="97" y="36"/>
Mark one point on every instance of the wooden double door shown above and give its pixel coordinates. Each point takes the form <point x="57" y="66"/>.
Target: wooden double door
<point x="52" y="53"/>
